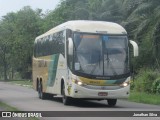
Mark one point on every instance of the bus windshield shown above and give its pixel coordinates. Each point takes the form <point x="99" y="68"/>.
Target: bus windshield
<point x="101" y="55"/>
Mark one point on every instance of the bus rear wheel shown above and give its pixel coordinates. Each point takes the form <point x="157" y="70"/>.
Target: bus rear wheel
<point x="112" y="102"/>
<point x="65" y="99"/>
<point x="41" y="94"/>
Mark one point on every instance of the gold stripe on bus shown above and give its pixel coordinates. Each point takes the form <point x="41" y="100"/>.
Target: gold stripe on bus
<point x="96" y="82"/>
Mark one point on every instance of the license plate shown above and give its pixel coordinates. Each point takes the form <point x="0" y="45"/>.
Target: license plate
<point x="102" y="94"/>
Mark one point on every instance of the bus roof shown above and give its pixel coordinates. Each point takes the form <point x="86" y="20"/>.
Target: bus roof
<point x="88" y="26"/>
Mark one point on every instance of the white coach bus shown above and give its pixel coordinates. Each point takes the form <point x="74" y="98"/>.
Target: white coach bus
<point x="83" y="59"/>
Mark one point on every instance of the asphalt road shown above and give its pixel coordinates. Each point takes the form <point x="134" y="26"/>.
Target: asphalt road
<point x="26" y="99"/>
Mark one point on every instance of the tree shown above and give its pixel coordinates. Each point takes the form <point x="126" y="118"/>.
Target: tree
<point x="17" y="34"/>
<point x="27" y="29"/>
<point x="6" y="39"/>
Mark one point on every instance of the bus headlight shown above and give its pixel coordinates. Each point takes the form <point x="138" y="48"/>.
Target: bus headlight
<point x="125" y="84"/>
<point x="78" y="82"/>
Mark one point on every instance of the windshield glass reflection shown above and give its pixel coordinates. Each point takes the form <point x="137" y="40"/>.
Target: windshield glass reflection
<point x="115" y="56"/>
<point x="101" y="55"/>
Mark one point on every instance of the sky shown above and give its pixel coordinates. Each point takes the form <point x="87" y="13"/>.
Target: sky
<point x="7" y="6"/>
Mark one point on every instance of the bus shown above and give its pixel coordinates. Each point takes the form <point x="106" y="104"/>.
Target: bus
<point x="83" y="59"/>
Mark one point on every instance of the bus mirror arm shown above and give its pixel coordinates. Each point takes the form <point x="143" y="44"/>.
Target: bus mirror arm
<point x="70" y="46"/>
<point x="135" y="48"/>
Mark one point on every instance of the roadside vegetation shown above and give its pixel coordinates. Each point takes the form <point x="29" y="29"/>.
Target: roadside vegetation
<point x="25" y="83"/>
<point x="146" y="87"/>
<point x="142" y="97"/>
<point x="5" y="107"/>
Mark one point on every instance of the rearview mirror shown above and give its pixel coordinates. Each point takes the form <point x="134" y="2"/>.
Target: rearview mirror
<point x="70" y="46"/>
<point x="135" y="48"/>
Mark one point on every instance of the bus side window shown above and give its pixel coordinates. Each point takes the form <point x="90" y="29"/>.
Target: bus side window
<point x="60" y="43"/>
<point x="53" y="42"/>
<point x="69" y="57"/>
<point x="38" y="48"/>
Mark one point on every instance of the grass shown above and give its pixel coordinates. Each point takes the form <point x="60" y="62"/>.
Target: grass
<point x="6" y="107"/>
<point x="26" y="83"/>
<point x="145" y="87"/>
<point x="142" y="97"/>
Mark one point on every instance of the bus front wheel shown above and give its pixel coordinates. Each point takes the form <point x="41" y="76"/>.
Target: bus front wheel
<point x="112" y="102"/>
<point x="65" y="99"/>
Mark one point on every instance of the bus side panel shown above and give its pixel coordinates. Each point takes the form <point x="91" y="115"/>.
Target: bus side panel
<point x="56" y="72"/>
<point x="50" y="70"/>
<point x="40" y="71"/>
<point x="34" y="77"/>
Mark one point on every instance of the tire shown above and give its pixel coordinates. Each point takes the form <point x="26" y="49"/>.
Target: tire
<point x="65" y="99"/>
<point x="41" y="94"/>
<point x="112" y="102"/>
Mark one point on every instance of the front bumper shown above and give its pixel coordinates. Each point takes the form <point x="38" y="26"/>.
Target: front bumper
<point x="83" y="92"/>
